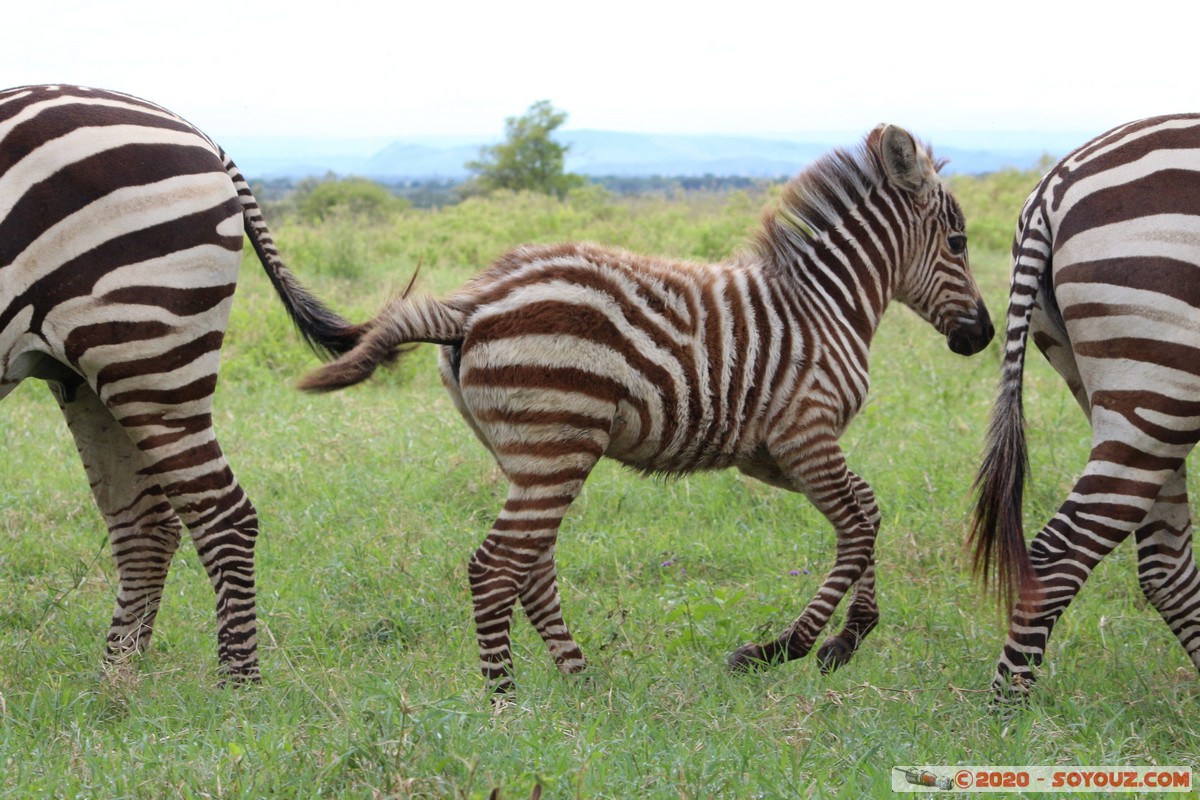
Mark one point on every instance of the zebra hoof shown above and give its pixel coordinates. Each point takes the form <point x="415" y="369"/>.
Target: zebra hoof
<point x="500" y="690"/>
<point x="239" y="677"/>
<point x="1011" y="694"/>
<point x="833" y="655"/>
<point x="747" y="658"/>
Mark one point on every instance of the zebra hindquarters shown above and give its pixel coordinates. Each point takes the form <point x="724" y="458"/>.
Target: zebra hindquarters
<point x="1132" y="373"/>
<point x="146" y="340"/>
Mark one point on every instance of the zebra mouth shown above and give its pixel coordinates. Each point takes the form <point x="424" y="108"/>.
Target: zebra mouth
<point x="969" y="337"/>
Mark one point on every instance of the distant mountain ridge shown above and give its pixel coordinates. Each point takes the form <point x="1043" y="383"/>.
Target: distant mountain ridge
<point x="597" y="153"/>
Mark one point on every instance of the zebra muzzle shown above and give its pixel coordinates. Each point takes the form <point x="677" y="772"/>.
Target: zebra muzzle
<point x="969" y="337"/>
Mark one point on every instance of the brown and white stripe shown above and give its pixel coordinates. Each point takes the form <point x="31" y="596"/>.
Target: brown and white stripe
<point x="1106" y="279"/>
<point x="558" y="355"/>
<point x="120" y="240"/>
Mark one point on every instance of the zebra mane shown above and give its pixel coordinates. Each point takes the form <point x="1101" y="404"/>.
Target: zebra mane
<point x="820" y="197"/>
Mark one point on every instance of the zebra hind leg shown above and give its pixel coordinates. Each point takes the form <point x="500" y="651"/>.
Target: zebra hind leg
<point x="1064" y="553"/>
<point x="516" y="560"/>
<point x="181" y="454"/>
<point x="1166" y="566"/>
<point x="143" y="528"/>
<point x="539" y="598"/>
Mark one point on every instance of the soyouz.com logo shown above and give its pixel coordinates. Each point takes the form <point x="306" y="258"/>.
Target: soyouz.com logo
<point x="1041" y="779"/>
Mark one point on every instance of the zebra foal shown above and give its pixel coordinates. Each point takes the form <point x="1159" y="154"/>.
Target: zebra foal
<point x="558" y="355"/>
<point x="120" y="242"/>
<point x="1106" y="280"/>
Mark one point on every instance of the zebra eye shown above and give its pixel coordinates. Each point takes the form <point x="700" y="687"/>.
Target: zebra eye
<point x="957" y="243"/>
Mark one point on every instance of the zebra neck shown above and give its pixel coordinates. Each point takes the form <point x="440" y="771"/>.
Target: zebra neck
<point x="842" y="289"/>
<point x="841" y="257"/>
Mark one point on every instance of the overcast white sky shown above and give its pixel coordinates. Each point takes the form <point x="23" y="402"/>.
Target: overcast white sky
<point x="353" y="68"/>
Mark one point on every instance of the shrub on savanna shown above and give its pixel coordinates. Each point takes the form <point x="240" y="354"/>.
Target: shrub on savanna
<point x="359" y="198"/>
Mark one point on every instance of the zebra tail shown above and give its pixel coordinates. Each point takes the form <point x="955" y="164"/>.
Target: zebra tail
<point x="405" y="322"/>
<point x="325" y="332"/>
<point x="1000" y="556"/>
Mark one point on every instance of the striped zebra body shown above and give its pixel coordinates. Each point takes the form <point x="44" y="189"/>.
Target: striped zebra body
<point x="674" y="355"/>
<point x="559" y="355"/>
<point x="121" y="231"/>
<point x="1106" y="265"/>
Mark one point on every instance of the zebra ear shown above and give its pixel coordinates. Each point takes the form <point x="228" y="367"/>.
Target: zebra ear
<point x="907" y="165"/>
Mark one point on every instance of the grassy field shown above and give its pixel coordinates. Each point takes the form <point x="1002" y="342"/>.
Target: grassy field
<point x="372" y="500"/>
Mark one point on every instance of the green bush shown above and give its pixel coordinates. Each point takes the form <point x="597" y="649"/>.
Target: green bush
<point x="357" y="198"/>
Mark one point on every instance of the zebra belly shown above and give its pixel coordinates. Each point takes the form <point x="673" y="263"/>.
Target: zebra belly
<point x="677" y="446"/>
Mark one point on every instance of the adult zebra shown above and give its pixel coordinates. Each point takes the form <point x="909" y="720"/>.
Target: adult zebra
<point x="558" y="355"/>
<point x="1106" y="265"/>
<point x="120" y="242"/>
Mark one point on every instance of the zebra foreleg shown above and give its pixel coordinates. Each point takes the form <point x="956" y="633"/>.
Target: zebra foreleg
<point x="143" y="527"/>
<point x="861" y="619"/>
<point x="832" y="489"/>
<point x="863" y="614"/>
<point x="1166" y="566"/>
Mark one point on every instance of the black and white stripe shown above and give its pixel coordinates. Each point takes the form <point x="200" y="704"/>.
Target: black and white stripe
<point x="1106" y="280"/>
<point x="558" y="355"/>
<point x="121" y="231"/>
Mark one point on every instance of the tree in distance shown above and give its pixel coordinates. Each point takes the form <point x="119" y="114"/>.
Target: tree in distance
<point x="528" y="159"/>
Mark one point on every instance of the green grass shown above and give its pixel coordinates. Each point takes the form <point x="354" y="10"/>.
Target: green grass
<point x="372" y="500"/>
